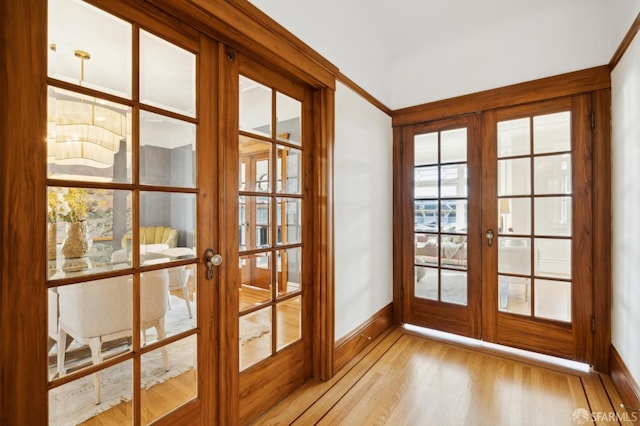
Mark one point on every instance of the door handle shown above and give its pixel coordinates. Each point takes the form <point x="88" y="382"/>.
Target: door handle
<point x="490" y="236"/>
<point x="211" y="260"/>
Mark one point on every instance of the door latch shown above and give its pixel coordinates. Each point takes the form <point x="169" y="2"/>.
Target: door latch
<point x="211" y="260"/>
<point x="489" y="236"/>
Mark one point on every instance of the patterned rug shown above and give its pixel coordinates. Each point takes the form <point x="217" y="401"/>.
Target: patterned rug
<point x="74" y="402"/>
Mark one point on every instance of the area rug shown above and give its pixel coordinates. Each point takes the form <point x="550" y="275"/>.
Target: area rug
<point x="73" y="403"/>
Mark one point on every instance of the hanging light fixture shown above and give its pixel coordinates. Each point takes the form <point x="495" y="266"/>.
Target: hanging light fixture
<point x="83" y="130"/>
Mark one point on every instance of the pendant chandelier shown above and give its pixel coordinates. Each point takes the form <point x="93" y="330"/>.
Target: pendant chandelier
<point x="83" y="130"/>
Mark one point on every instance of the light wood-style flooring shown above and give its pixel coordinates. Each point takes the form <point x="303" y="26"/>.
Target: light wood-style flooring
<point x="404" y="378"/>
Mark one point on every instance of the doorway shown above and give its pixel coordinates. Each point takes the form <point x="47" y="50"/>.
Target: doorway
<point x="501" y="226"/>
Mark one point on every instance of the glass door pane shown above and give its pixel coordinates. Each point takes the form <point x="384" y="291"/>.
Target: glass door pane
<point x="440" y="216"/>
<point x="122" y="202"/>
<point x="270" y="222"/>
<point x="535" y="216"/>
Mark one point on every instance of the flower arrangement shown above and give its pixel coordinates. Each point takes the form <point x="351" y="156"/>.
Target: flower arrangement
<point x="72" y="205"/>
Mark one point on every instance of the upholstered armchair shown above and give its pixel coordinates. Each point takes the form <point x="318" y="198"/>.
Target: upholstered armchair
<point x="154" y="235"/>
<point x="101" y="311"/>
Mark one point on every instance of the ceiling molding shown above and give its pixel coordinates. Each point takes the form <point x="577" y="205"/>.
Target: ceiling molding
<point x="359" y="90"/>
<point x="624" y="44"/>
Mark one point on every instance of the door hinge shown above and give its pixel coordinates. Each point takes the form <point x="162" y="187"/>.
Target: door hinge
<point x="401" y="147"/>
<point x="593" y="324"/>
<point x="593" y="120"/>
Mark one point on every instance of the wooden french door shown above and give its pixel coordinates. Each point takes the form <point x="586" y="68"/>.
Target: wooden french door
<point x="131" y="174"/>
<point x="443" y="166"/>
<point x="537" y="227"/>
<point x="273" y="312"/>
<point x="501" y="223"/>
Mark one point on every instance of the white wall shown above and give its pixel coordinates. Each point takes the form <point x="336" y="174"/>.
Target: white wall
<point x="363" y="210"/>
<point x="625" y="193"/>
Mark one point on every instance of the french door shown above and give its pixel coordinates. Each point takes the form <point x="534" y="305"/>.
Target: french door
<point x="130" y="214"/>
<point x="274" y="236"/>
<point x="501" y="226"/>
<point x="537" y="224"/>
<point x="445" y="205"/>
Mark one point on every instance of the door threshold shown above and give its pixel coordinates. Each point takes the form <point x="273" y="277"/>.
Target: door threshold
<point x="500" y="350"/>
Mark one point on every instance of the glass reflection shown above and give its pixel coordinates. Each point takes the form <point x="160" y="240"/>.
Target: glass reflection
<point x="426" y="149"/>
<point x="159" y="59"/>
<point x="453" y="146"/>
<point x="74" y="402"/>
<point x="255" y="280"/>
<point x="255" y="337"/>
<point x="426" y="249"/>
<point x="156" y="401"/>
<point x="255" y="157"/>
<point x="453" y="180"/>
<point x="255" y="107"/>
<point x="288" y="113"/>
<point x="514" y="295"/>
<point x="289" y="321"/>
<point x="553" y="174"/>
<point x="553" y="257"/>
<point x="167" y="151"/>
<point x="426" y="286"/>
<point x="77" y="25"/>
<point x="289" y="276"/>
<point x="514" y="137"/>
<point x="553" y="216"/>
<point x="426" y="182"/>
<point x="552" y="132"/>
<point x="289" y="167"/>
<point x="514" y="177"/>
<point x="553" y="300"/>
<point x="289" y="220"/>
<point x="453" y="216"/>
<point x="454" y="287"/>
<point x="514" y="255"/>
<point x="426" y="217"/>
<point x="514" y="215"/>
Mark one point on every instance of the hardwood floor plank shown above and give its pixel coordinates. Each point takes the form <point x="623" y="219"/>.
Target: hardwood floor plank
<point x="295" y="405"/>
<point x="422" y="381"/>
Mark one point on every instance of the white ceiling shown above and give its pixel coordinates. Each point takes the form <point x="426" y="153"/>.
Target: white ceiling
<point x="409" y="52"/>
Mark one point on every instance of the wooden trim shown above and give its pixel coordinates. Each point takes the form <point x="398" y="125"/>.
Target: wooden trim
<point x="260" y="388"/>
<point x="582" y="236"/>
<point x="601" y="107"/>
<point x="153" y="20"/>
<point x="359" y="90"/>
<point x="324" y="303"/>
<point x="537" y="90"/>
<point x="209" y="162"/>
<point x="623" y="381"/>
<point x="625" y="43"/>
<point x="397" y="217"/>
<point x="241" y="25"/>
<point x="23" y="261"/>
<point x="228" y="280"/>
<point x="350" y="345"/>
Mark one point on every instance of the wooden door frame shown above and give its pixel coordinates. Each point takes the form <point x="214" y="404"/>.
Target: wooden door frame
<point x="594" y="81"/>
<point x="23" y="297"/>
<point x="23" y="263"/>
